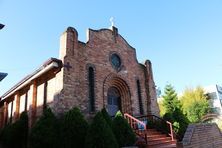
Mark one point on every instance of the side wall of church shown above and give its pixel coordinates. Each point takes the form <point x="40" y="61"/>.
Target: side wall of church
<point x="29" y="99"/>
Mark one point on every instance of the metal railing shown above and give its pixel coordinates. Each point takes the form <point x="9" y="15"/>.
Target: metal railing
<point x="138" y="126"/>
<point x="158" y="123"/>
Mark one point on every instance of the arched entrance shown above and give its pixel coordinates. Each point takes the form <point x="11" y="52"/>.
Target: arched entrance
<point x="116" y="95"/>
<point x="113" y="101"/>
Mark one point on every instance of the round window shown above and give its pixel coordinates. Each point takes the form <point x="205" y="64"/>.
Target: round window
<point x="116" y="61"/>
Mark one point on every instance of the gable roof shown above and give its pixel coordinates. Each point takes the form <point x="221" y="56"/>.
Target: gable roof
<point x="50" y="63"/>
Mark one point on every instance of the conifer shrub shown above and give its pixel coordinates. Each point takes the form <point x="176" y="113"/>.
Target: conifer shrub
<point x="22" y="126"/>
<point x="7" y="134"/>
<point x="45" y="131"/>
<point x="107" y="117"/>
<point x="180" y="123"/>
<point x="123" y="132"/>
<point x="100" y="134"/>
<point x="73" y="129"/>
<point x="15" y="135"/>
<point x="118" y="114"/>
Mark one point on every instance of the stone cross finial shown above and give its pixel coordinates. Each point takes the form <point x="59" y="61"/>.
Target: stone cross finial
<point x="112" y="21"/>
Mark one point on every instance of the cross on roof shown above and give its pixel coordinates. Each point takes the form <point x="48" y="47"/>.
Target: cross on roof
<point x="112" y="21"/>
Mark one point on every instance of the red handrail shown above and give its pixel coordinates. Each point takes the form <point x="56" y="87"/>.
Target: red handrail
<point x="171" y="130"/>
<point x="153" y="117"/>
<point x="133" y="122"/>
<point x="128" y="116"/>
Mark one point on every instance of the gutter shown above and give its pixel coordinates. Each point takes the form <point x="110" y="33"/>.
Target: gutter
<point x="42" y="71"/>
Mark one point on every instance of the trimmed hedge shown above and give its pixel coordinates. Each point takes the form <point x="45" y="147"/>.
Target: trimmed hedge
<point x="15" y="135"/>
<point x="123" y="132"/>
<point x="73" y="129"/>
<point x="107" y="117"/>
<point x="44" y="133"/>
<point x="100" y="134"/>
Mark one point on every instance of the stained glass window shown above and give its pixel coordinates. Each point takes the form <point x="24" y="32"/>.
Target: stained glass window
<point x="116" y="61"/>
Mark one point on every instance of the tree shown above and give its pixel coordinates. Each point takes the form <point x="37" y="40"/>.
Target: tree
<point x="73" y="129"/>
<point x="123" y="132"/>
<point x="195" y="104"/>
<point x="100" y="134"/>
<point x="170" y="99"/>
<point x="162" y="108"/>
<point x="44" y="133"/>
<point x="173" y="112"/>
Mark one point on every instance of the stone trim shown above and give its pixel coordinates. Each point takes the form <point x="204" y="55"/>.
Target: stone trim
<point x="124" y="89"/>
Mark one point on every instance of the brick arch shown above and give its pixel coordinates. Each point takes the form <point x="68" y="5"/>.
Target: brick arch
<point x="120" y="84"/>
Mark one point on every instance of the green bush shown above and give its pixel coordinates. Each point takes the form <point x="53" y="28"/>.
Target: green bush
<point x="7" y="135"/>
<point x="183" y="122"/>
<point x="176" y="126"/>
<point x="100" y="134"/>
<point x="107" y="117"/>
<point x="15" y="135"/>
<point x="180" y="122"/>
<point x="118" y="114"/>
<point x="123" y="132"/>
<point x="44" y="133"/>
<point x="22" y="132"/>
<point x="73" y="129"/>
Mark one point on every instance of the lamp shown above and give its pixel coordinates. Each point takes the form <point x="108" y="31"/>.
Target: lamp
<point x="2" y="75"/>
<point x="1" y="26"/>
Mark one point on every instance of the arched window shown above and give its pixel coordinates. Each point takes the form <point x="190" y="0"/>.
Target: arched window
<point x="91" y="80"/>
<point x="139" y="97"/>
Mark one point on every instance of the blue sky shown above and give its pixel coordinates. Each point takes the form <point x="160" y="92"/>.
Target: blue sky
<point x="181" y="38"/>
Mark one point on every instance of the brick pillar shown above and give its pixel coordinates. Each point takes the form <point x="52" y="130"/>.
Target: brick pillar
<point x="32" y="108"/>
<point x="153" y="107"/>
<point x="17" y="100"/>
<point x="68" y="42"/>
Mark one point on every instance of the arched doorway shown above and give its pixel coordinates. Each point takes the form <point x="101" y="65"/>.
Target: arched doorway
<point x="113" y="101"/>
<point x="116" y="95"/>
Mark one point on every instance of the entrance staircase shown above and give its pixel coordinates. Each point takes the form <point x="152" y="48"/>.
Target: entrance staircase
<point x="152" y="131"/>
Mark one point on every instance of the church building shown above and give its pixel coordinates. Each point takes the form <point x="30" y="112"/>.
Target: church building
<point x="102" y="72"/>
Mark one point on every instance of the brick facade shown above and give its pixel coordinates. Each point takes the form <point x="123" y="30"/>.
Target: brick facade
<point x="68" y="85"/>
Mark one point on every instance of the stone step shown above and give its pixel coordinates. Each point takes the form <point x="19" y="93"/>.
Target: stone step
<point x="151" y="129"/>
<point x="153" y="132"/>
<point x="158" y="138"/>
<point x="164" y="146"/>
<point x="159" y="142"/>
